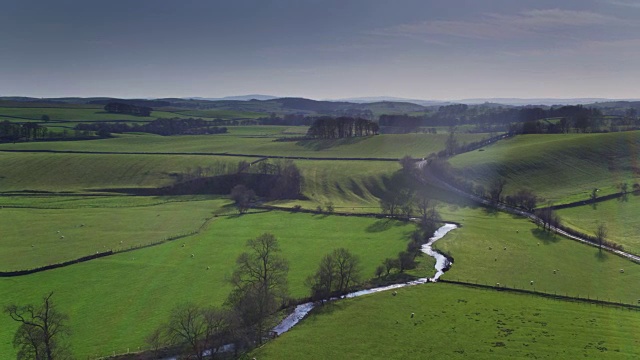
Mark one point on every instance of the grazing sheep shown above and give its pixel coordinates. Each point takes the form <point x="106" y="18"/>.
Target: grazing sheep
<point x="208" y="268"/>
<point x="192" y="255"/>
<point x="182" y="245"/>
<point x="621" y="271"/>
<point x="62" y="237"/>
<point x="554" y="271"/>
<point x="497" y="284"/>
<point x="531" y="282"/>
<point x="412" y="314"/>
<point x="496" y="259"/>
<point x="517" y="231"/>
<point x="394" y="293"/>
<point x="32" y="245"/>
<point x="505" y="248"/>
<point x="58" y="232"/>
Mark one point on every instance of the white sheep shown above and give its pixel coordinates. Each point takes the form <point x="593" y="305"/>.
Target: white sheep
<point x="531" y="282"/>
<point x="192" y="255"/>
<point x="497" y="284"/>
<point x="621" y="271"/>
<point x="62" y="237"/>
<point x="412" y="314"/>
<point x="554" y="271"/>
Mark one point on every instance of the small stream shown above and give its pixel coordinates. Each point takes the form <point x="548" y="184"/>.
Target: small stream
<point x="442" y="264"/>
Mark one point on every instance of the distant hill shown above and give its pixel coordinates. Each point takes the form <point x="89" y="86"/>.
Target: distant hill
<point x="239" y="97"/>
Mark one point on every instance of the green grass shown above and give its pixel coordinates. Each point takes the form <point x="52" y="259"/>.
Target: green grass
<point x="561" y="168"/>
<point x="88" y="172"/>
<point x="532" y="255"/>
<point x="115" y="302"/>
<point x="38" y="237"/>
<point x="75" y="114"/>
<point x="390" y="146"/>
<point x="454" y="322"/>
<point x="218" y="114"/>
<point x="620" y="216"/>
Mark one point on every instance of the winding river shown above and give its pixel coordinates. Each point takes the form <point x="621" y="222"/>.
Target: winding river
<point x="442" y="264"/>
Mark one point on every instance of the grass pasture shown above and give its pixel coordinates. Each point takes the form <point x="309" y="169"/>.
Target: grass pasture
<point x="532" y="255"/>
<point x="34" y="237"/>
<point x="114" y="302"/>
<point x="456" y="322"/>
<point x="620" y="216"/>
<point x="561" y="168"/>
<point x="87" y="172"/>
<point x="389" y="146"/>
<point x="75" y="114"/>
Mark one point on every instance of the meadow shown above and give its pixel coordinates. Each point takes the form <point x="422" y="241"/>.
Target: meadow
<point x="619" y="215"/>
<point x="456" y="322"/>
<point x="35" y="237"/>
<point x="561" y="168"/>
<point x="114" y="302"/>
<point x="74" y="114"/>
<point x="494" y="247"/>
<point x="253" y="141"/>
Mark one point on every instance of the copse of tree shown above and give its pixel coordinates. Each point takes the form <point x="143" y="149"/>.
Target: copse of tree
<point x="122" y="108"/>
<point x="10" y="131"/>
<point x="337" y="273"/>
<point x="42" y="332"/>
<point x="242" y="197"/>
<point x="342" y="127"/>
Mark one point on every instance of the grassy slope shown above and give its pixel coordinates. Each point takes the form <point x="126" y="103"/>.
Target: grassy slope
<point x="27" y="243"/>
<point x="115" y="302"/>
<point x="395" y="146"/>
<point x="532" y="255"/>
<point x="76" y="114"/>
<point x="620" y="216"/>
<point x="561" y="168"/>
<point x="457" y="322"/>
<point x="83" y="172"/>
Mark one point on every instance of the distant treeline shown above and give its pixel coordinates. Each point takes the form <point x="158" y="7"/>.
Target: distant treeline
<point x="342" y="127"/>
<point x="26" y="131"/>
<point x="124" y="108"/>
<point x="521" y="119"/>
<point x="163" y="127"/>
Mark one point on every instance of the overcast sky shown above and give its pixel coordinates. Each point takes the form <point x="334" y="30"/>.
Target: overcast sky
<point x="425" y="49"/>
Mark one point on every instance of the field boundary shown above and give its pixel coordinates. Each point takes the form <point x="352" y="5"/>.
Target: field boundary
<point x="556" y="296"/>
<point x="200" y="154"/>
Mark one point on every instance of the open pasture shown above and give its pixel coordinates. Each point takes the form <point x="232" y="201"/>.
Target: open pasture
<point x="74" y="114"/>
<point x="478" y="248"/>
<point x="456" y="322"/>
<point x="114" y="302"/>
<point x="387" y="146"/>
<point x="561" y="168"/>
<point x="35" y="237"/>
<point x="619" y="215"/>
<point x="84" y="173"/>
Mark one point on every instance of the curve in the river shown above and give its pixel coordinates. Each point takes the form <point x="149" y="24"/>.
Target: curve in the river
<point x="442" y="263"/>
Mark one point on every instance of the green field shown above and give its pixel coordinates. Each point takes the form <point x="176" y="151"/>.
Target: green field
<point x="74" y="114"/>
<point x="620" y="216"/>
<point x="390" y="146"/>
<point x="532" y="255"/>
<point x="456" y="322"/>
<point x="88" y="172"/>
<point x="33" y="237"/>
<point x="115" y="302"/>
<point x="561" y="168"/>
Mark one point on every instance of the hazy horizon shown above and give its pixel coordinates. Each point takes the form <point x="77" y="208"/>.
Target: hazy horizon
<point x="412" y="49"/>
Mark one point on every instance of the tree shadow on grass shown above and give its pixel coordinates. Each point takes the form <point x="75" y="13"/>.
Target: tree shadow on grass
<point x="602" y="255"/>
<point x="546" y="236"/>
<point x="490" y="211"/>
<point x="379" y="226"/>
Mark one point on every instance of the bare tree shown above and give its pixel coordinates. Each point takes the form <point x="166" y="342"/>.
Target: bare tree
<point x="337" y="273"/>
<point x="197" y="329"/>
<point x="260" y="283"/>
<point x="496" y="188"/>
<point x="42" y="331"/>
<point x="601" y="234"/>
<point x="242" y="196"/>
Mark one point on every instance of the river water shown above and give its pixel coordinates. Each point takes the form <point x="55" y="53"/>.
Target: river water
<point x="441" y="265"/>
